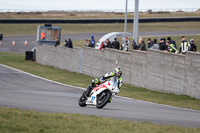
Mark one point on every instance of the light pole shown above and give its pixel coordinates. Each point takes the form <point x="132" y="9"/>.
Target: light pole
<point x="125" y="25"/>
<point x="135" y="27"/>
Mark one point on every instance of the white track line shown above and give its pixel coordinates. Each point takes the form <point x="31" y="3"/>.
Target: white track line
<point x="84" y="88"/>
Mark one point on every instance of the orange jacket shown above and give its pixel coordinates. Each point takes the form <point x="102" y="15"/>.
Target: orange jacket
<point x="43" y="35"/>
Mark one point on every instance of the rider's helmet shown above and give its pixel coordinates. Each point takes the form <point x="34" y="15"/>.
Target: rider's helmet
<point x="118" y="72"/>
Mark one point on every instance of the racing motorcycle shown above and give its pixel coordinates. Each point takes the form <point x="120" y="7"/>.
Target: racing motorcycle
<point x="100" y="95"/>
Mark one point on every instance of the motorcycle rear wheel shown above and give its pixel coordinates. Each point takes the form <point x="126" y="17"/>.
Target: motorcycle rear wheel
<point x="82" y="101"/>
<point x="103" y="98"/>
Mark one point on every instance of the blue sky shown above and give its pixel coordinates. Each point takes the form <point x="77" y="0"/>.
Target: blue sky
<point x="95" y="4"/>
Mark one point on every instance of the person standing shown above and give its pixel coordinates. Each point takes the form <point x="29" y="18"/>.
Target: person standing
<point x="115" y="44"/>
<point x="155" y="45"/>
<point x="57" y="42"/>
<point x="86" y="43"/>
<point x="134" y="44"/>
<point x="171" y="47"/>
<point x="42" y="35"/>
<point x="150" y="43"/>
<point x="107" y="43"/>
<point x="69" y="43"/>
<point x="184" y="46"/>
<point x="193" y="47"/>
<point x="163" y="45"/>
<point x="92" y="41"/>
<point x="171" y="41"/>
<point x="142" y="45"/>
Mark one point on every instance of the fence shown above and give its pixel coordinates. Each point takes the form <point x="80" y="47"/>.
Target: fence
<point x="155" y="70"/>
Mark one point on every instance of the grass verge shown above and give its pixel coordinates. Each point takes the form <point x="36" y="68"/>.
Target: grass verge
<point x="31" y="29"/>
<point x="81" y="80"/>
<point x="16" y="120"/>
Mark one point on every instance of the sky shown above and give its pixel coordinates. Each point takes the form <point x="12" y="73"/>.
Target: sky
<point x="96" y="4"/>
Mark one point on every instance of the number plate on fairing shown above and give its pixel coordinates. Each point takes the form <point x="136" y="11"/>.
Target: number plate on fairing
<point x="93" y="98"/>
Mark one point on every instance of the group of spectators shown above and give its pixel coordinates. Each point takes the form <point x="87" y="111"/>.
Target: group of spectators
<point x="90" y="42"/>
<point x="163" y="44"/>
<point x="166" y="45"/>
<point x="108" y="44"/>
<point x="68" y="42"/>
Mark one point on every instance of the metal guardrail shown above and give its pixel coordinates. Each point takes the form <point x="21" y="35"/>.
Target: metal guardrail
<point x="86" y="21"/>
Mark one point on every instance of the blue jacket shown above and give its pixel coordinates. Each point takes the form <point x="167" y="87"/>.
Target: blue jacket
<point x="93" y="42"/>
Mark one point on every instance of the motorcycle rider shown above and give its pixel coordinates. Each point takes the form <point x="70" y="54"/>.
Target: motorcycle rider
<point x="107" y="76"/>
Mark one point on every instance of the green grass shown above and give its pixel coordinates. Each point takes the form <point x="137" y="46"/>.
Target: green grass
<point x="31" y="29"/>
<point x="81" y="80"/>
<point x="21" y="121"/>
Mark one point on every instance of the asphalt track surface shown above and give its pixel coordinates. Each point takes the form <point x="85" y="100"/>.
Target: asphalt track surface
<point x="25" y="91"/>
<point x="6" y="43"/>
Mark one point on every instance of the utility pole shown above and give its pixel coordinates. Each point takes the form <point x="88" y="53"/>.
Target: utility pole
<point x="135" y="27"/>
<point x="125" y="25"/>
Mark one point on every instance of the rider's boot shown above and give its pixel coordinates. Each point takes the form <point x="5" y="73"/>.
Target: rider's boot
<point x="88" y="91"/>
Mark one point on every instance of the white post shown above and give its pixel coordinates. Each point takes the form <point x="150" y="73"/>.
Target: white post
<point x="135" y="27"/>
<point x="125" y="25"/>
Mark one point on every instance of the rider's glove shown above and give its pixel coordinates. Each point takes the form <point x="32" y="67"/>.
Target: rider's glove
<point x="101" y="80"/>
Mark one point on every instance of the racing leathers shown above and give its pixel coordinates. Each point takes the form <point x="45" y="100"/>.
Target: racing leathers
<point x="171" y="48"/>
<point x="106" y="77"/>
<point x="184" y="47"/>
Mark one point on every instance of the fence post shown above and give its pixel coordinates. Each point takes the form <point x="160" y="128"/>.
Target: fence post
<point x="80" y="60"/>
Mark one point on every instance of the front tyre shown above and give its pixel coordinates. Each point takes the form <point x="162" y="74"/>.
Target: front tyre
<point x="103" y="98"/>
<point x="82" y="101"/>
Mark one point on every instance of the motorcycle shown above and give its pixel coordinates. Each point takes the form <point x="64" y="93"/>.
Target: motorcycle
<point x="100" y="95"/>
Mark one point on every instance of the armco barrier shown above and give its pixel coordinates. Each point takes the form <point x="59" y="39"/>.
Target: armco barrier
<point x="155" y="70"/>
<point x="87" y="21"/>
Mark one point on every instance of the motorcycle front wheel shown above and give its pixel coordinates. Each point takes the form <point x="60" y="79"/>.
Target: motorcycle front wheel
<point x="103" y="98"/>
<point x="82" y="101"/>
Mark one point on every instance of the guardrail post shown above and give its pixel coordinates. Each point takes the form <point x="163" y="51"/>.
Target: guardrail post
<point x="80" y="60"/>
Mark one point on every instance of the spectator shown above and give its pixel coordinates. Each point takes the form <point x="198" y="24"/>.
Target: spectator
<point x="86" y="43"/>
<point x="171" y="41"/>
<point x="57" y="42"/>
<point x="92" y="41"/>
<point x="185" y="45"/>
<point x="163" y="45"/>
<point x="102" y="46"/>
<point x="115" y="44"/>
<point x="68" y="43"/>
<point x="193" y="47"/>
<point x="171" y="47"/>
<point x="125" y="45"/>
<point x="150" y="43"/>
<point x="107" y="44"/>
<point x="134" y="44"/>
<point x="155" y="45"/>
<point x="90" y="44"/>
<point x="160" y="41"/>
<point x="142" y="45"/>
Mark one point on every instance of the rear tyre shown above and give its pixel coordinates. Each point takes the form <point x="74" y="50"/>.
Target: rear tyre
<point x="103" y="98"/>
<point x="82" y="101"/>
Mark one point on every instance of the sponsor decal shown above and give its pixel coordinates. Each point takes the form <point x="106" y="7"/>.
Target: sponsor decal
<point x="99" y="87"/>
